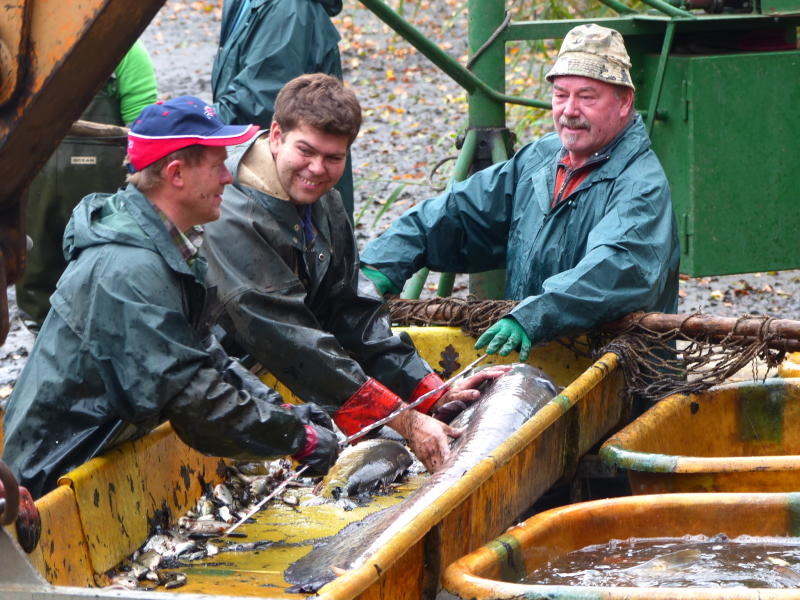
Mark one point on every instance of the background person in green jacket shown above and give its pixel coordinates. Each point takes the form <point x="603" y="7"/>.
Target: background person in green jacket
<point x="581" y="219"/>
<point x="263" y="44"/>
<point x="124" y="346"/>
<point x="284" y="280"/>
<point x="79" y="166"/>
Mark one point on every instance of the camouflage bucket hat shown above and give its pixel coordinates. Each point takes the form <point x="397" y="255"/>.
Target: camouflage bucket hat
<point x="595" y="52"/>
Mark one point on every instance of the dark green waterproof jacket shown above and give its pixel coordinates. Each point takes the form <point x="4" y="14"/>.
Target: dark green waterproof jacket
<point x="305" y="313"/>
<point x="275" y="41"/>
<point x="121" y="350"/>
<point x="608" y="249"/>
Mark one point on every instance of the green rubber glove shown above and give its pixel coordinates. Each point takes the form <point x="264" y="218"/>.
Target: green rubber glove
<point x="381" y="281"/>
<point x="503" y="337"/>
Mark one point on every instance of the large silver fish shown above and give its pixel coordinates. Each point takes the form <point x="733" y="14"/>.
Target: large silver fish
<point x="503" y="409"/>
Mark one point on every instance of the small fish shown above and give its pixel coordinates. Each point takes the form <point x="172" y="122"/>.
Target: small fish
<point x="205" y="507"/>
<point x="261" y="485"/>
<point x="223" y="494"/>
<point x="672" y="561"/>
<point x="201" y="527"/>
<point x="788" y="576"/>
<point x="174" y="580"/>
<point x="225" y="514"/>
<point x="149" y="559"/>
<point x="123" y="581"/>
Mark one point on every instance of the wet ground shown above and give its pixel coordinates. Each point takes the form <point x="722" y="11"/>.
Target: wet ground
<point x="412" y="115"/>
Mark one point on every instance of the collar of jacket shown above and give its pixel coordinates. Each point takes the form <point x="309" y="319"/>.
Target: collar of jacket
<point x="256" y="168"/>
<point x="140" y="212"/>
<point x="144" y="213"/>
<point x="616" y="156"/>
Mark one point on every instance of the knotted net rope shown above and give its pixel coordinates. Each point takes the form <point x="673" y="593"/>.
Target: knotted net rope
<point x="655" y="363"/>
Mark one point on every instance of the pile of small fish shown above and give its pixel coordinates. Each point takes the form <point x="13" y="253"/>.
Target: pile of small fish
<point x="198" y="534"/>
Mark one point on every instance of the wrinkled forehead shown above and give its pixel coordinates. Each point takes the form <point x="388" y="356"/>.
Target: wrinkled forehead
<point x="578" y="83"/>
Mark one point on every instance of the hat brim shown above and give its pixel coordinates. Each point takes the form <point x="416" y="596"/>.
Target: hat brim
<point x="147" y="149"/>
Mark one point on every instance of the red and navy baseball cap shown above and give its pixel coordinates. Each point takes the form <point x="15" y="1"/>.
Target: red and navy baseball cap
<point x="164" y="127"/>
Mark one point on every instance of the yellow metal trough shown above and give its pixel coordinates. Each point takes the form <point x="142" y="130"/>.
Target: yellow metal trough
<point x="103" y="511"/>
<point x="790" y="367"/>
<point x="740" y="437"/>
<point x="491" y="572"/>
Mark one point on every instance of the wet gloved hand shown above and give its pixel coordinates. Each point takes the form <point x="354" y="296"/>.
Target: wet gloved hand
<point x="320" y="450"/>
<point x="311" y="413"/>
<point x="382" y="283"/>
<point x="503" y="337"/>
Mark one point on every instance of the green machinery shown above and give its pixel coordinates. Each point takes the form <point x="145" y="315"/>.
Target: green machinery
<point x="718" y="83"/>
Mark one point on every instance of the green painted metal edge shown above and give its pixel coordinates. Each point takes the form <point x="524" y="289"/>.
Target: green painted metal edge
<point x="563" y="402"/>
<point x="666" y="46"/>
<point x="793" y="506"/>
<point x="638" y="461"/>
<point x="509" y="554"/>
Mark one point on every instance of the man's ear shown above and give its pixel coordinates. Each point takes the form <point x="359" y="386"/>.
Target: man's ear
<point x="275" y="134"/>
<point x="173" y="173"/>
<point x="626" y="106"/>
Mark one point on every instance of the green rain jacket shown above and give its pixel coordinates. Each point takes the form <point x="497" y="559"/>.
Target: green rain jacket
<point x="275" y="41"/>
<point x="121" y="351"/>
<point x="306" y="314"/>
<point x="608" y="249"/>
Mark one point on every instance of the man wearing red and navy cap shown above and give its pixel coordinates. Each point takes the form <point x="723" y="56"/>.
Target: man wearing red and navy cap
<point x="123" y="348"/>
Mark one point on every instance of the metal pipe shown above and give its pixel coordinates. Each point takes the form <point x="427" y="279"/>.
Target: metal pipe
<point x="668" y="9"/>
<point x="669" y="34"/>
<point x="446" y="282"/>
<point x="451" y="67"/>
<point x="413" y="287"/>
<point x="618" y="7"/>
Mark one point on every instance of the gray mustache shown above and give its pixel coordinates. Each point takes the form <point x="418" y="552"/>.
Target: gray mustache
<point x="576" y="123"/>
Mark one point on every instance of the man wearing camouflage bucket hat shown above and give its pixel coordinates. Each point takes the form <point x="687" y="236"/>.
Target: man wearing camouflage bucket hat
<point x="581" y="219"/>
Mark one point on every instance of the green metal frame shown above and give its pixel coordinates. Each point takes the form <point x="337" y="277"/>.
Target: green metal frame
<point x="484" y="82"/>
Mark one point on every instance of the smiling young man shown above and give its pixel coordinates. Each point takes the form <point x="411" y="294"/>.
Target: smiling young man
<point x="284" y="275"/>
<point x="581" y="219"/>
<point x="124" y="346"/>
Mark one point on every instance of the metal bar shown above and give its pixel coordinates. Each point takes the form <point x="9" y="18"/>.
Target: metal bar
<point x="451" y="67"/>
<point x="668" y="9"/>
<point x="14" y="33"/>
<point x="669" y="34"/>
<point x="557" y="29"/>
<point x="619" y="7"/>
<point x="446" y="282"/>
<point x="413" y="287"/>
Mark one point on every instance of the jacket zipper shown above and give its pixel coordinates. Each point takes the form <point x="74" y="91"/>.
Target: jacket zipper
<point x="572" y="172"/>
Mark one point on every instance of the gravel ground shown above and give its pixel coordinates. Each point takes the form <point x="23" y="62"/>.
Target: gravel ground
<point x="412" y="116"/>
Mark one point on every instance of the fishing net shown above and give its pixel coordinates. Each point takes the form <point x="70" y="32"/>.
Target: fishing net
<point x="659" y="354"/>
